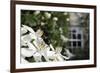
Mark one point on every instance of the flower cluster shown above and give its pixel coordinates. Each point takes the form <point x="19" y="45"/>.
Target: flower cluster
<point x="34" y="49"/>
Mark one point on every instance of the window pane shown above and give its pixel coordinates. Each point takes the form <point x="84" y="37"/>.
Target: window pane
<point x="79" y="36"/>
<point x="74" y="36"/>
<point x="79" y="43"/>
<point x="74" y="44"/>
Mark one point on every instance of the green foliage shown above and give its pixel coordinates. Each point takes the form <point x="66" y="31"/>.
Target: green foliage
<point x="50" y="27"/>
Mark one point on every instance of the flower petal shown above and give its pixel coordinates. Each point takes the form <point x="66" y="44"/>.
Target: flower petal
<point x="37" y="57"/>
<point x="29" y="29"/>
<point x="23" y="30"/>
<point x="26" y="52"/>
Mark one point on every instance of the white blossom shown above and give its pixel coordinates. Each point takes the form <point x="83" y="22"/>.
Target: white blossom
<point x="42" y="23"/>
<point x="23" y="30"/>
<point x="69" y="54"/>
<point x="26" y="52"/>
<point x="28" y="28"/>
<point x="23" y="43"/>
<point x="59" y="57"/>
<point x="51" y="47"/>
<point x="37" y="57"/>
<point x="39" y="48"/>
<point x="54" y="56"/>
<point x="64" y="38"/>
<point x="32" y="47"/>
<point x="60" y="29"/>
<point x="41" y="44"/>
<point x="48" y="15"/>
<point x="26" y="38"/>
<point x="51" y="54"/>
<point x="66" y="57"/>
<point x="43" y="17"/>
<point x="33" y="36"/>
<point x="55" y="18"/>
<point x="65" y="13"/>
<point x="58" y="49"/>
<point x="39" y="32"/>
<point x="67" y="19"/>
<point x="36" y="12"/>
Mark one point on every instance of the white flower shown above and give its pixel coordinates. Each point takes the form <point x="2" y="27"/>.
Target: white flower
<point x="23" y="43"/>
<point x="58" y="49"/>
<point x="48" y="15"/>
<point x="36" y="12"/>
<point x="42" y="17"/>
<point x="55" y="18"/>
<point x="51" y="47"/>
<point x="40" y="44"/>
<point x="26" y="52"/>
<point x="39" y="32"/>
<point x="37" y="57"/>
<point x="65" y="13"/>
<point x="64" y="38"/>
<point x="68" y="53"/>
<point x="39" y="48"/>
<point x="51" y="54"/>
<point x="42" y="23"/>
<point x="32" y="47"/>
<point x="33" y="36"/>
<point x="26" y="38"/>
<point x="54" y="56"/>
<point x="60" y="29"/>
<point x="65" y="57"/>
<point x="28" y="28"/>
<point x="47" y="47"/>
<point x="23" y="30"/>
<point x="59" y="57"/>
<point x="67" y="19"/>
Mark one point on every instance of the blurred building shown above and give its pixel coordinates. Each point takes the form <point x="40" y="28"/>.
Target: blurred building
<point x="78" y="34"/>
